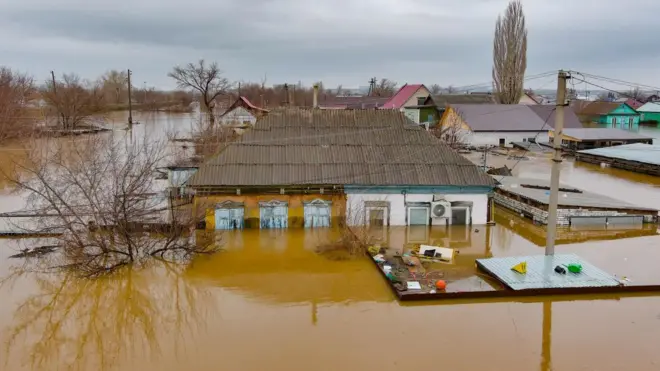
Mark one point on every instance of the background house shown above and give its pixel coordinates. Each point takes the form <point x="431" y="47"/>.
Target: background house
<point x="242" y="112"/>
<point x="496" y="124"/>
<point x="611" y="114"/>
<point x="425" y="111"/>
<point x="408" y="95"/>
<point x="317" y="168"/>
<point x="649" y="112"/>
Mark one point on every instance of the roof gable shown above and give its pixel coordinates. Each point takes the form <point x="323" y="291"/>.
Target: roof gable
<point x="624" y="109"/>
<point x="402" y="96"/>
<point x="337" y="147"/>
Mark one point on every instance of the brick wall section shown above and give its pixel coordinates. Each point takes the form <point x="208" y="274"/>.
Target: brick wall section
<point x="563" y="215"/>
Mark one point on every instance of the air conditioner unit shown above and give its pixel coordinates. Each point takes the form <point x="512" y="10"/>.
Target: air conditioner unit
<point x="441" y="209"/>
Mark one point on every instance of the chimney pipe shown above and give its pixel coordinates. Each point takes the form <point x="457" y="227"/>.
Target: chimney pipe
<point x="315" y="103"/>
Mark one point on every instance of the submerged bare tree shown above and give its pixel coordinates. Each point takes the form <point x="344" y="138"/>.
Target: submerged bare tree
<point x="72" y="101"/>
<point x="510" y="54"/>
<point x="96" y="195"/>
<point x="16" y="92"/>
<point x="205" y="79"/>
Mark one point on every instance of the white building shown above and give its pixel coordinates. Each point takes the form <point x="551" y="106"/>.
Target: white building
<point x="500" y="125"/>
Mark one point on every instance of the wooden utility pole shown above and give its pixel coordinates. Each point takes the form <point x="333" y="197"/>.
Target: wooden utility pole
<point x="556" y="163"/>
<point x="52" y="75"/>
<point x="130" y="103"/>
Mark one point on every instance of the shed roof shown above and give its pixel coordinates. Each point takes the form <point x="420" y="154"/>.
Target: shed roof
<point x="603" y="134"/>
<point x="639" y="152"/>
<point x="443" y="100"/>
<point x="582" y="199"/>
<point x="650" y="107"/>
<point x="511" y="117"/>
<point x="338" y="147"/>
<point x="400" y="98"/>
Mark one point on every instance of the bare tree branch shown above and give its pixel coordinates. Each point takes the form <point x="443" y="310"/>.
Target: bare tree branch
<point x="206" y="79"/>
<point x="97" y="196"/>
<point x="72" y="101"/>
<point x="510" y="54"/>
<point x="16" y="92"/>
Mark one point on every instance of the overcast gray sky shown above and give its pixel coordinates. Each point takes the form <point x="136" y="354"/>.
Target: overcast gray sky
<point x="335" y="41"/>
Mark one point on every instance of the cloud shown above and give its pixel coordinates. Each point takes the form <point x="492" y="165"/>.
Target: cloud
<point x="337" y="41"/>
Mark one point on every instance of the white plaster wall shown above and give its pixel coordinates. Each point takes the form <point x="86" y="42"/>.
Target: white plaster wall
<point x="355" y="206"/>
<point x="493" y="138"/>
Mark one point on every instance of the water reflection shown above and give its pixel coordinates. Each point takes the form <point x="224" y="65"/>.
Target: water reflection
<point x="99" y="324"/>
<point x="514" y="225"/>
<point x="283" y="267"/>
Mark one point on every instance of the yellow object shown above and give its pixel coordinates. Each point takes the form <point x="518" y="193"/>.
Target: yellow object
<point x="520" y="267"/>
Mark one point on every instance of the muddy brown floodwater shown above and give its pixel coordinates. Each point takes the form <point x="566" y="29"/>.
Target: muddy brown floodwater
<point x="269" y="302"/>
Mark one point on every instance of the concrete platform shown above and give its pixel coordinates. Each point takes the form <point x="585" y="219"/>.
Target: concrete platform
<point x="541" y="275"/>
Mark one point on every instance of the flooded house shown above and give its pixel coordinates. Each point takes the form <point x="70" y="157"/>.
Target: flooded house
<point x="501" y="125"/>
<point x="242" y="113"/>
<point x="612" y="114"/>
<point x="318" y="168"/>
<point x="650" y="112"/>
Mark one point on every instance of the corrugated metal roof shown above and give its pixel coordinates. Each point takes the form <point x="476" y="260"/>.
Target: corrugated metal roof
<point x="443" y="100"/>
<point x="511" y="117"/>
<point x="400" y="98"/>
<point x="603" y="134"/>
<point x="338" y="147"/>
<point x="645" y="153"/>
<point x="571" y="121"/>
<point x="584" y="199"/>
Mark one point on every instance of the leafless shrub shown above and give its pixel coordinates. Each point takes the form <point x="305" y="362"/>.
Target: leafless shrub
<point x="16" y="93"/>
<point x="205" y="79"/>
<point x="100" y="196"/>
<point x="208" y="139"/>
<point x="72" y="101"/>
<point x="352" y="240"/>
<point x="510" y="54"/>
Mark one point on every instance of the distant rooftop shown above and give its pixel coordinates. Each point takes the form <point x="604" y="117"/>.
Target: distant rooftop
<point x="644" y="153"/>
<point x="589" y="134"/>
<point x="538" y="190"/>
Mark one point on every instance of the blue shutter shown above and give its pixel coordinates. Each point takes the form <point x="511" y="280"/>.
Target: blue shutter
<point x="274" y="217"/>
<point x="229" y="218"/>
<point x="317" y="216"/>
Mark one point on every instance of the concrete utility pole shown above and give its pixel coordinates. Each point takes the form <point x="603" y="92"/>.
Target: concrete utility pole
<point x="130" y="103"/>
<point x="556" y="163"/>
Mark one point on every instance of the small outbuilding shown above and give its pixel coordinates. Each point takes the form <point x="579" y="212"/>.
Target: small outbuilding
<point x="637" y="157"/>
<point x="531" y="197"/>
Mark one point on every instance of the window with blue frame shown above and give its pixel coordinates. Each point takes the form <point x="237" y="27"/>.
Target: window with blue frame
<point x="229" y="215"/>
<point x="317" y="214"/>
<point x="274" y="215"/>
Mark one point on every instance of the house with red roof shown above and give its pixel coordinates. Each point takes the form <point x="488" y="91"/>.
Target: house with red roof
<point x="416" y="102"/>
<point x="242" y="113"/>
